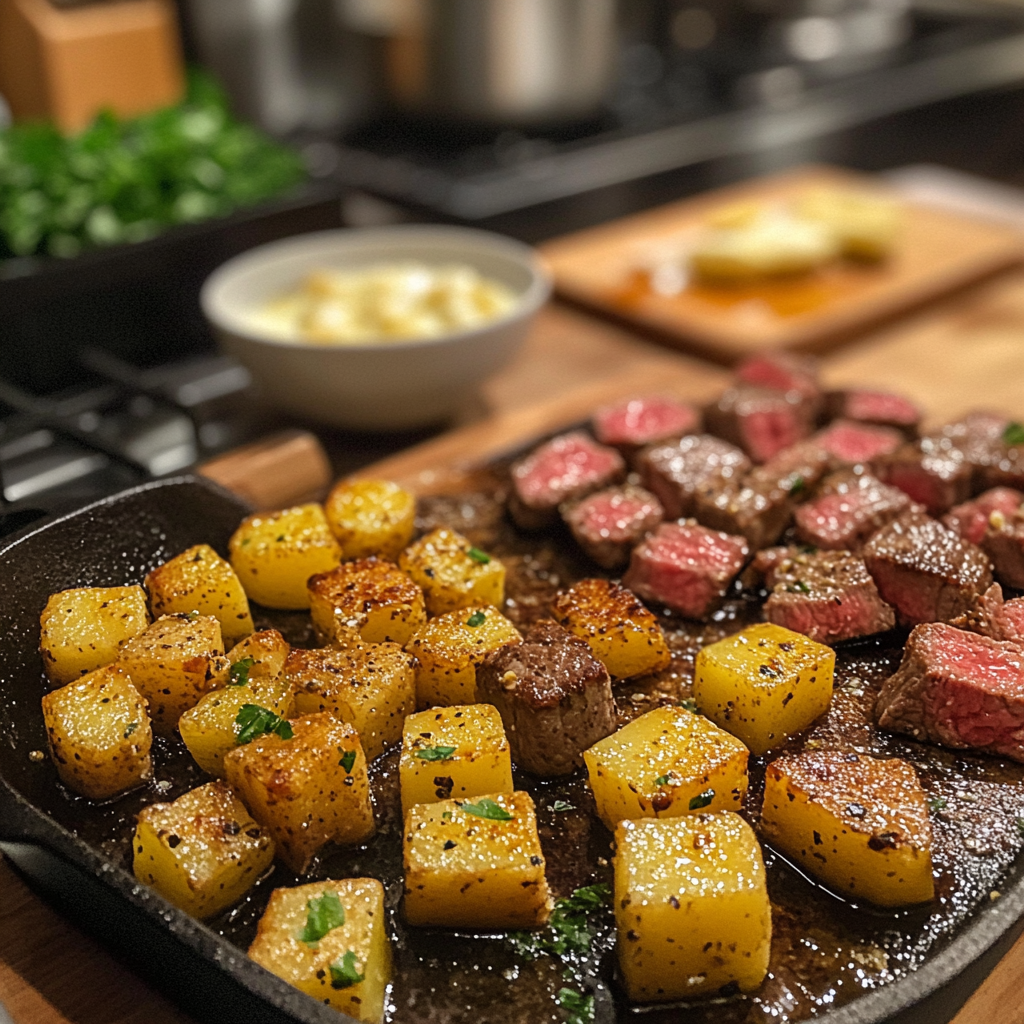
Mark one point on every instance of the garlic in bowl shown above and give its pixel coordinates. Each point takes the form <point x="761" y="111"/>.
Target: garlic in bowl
<point x="376" y="329"/>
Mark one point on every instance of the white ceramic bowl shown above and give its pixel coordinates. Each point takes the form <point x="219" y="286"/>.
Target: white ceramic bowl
<point x="378" y="386"/>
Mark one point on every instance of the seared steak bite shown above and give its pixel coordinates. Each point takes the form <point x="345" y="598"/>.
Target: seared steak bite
<point x="882" y="408"/>
<point x="760" y="421"/>
<point x="686" y="567"/>
<point x="566" y="467"/>
<point x="1004" y="544"/>
<point x="796" y="470"/>
<point x="759" y="513"/>
<point x="848" y="508"/>
<point x="675" y="470"/>
<point x="553" y="695"/>
<point x="610" y="523"/>
<point x="851" y="444"/>
<point x="828" y="596"/>
<point x="783" y="371"/>
<point x="970" y="519"/>
<point x="959" y="689"/>
<point x="639" y="421"/>
<point x="936" y="477"/>
<point x="994" y="617"/>
<point x="925" y="571"/>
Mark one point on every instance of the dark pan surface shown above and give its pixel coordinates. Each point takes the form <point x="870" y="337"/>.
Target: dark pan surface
<point x="830" y="961"/>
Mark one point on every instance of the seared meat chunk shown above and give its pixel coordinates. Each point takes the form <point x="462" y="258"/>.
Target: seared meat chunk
<point x="848" y="508"/>
<point x="783" y="371"/>
<point x="925" y="571"/>
<point x="553" y="695"/>
<point x="1004" y="544"/>
<point x="639" y="421"/>
<point x="675" y="470"/>
<point x="851" y="444"/>
<point x="959" y="689"/>
<point x="828" y="596"/>
<point x="994" y="617"/>
<point x="796" y="470"/>
<point x="566" y="467"/>
<point x="610" y="523"/>
<point x="970" y="519"/>
<point x="882" y="408"/>
<point x="760" y="421"/>
<point x="686" y="566"/>
<point x="746" y="507"/>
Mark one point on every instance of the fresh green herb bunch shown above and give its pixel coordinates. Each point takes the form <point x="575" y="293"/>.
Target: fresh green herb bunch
<point x="128" y="180"/>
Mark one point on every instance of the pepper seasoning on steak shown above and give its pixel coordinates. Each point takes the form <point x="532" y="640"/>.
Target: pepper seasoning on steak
<point x="610" y="523"/>
<point x="995" y="617"/>
<point x="971" y="519"/>
<point x="675" y="470"/>
<point x="553" y="695"/>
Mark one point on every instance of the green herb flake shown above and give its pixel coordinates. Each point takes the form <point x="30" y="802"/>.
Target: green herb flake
<point x="280" y="538"/>
<point x="344" y="973"/>
<point x="661" y="780"/>
<point x="562" y="805"/>
<point x="798" y="485"/>
<point x="446" y="815"/>
<point x="571" y="928"/>
<point x="130" y="728"/>
<point x="479" y="556"/>
<point x="1014" y="433"/>
<point x="239" y="674"/>
<point x="702" y="800"/>
<point x="487" y="809"/>
<point x="253" y="721"/>
<point x="323" y="914"/>
<point x="937" y="803"/>
<point x="434" y="753"/>
<point x="348" y="759"/>
<point x="690" y="704"/>
<point x="193" y="616"/>
<point x="580" y="1008"/>
<point x="246" y="541"/>
<point x="1020" y="826"/>
<point x="476" y="619"/>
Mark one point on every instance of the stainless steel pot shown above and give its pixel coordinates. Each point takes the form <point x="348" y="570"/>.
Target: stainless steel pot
<point x="505" y="61"/>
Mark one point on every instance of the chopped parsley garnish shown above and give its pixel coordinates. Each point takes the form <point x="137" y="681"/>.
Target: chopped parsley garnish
<point x="239" y="674"/>
<point x="562" y="805"/>
<point x="1014" y="433"/>
<point x="661" y="780"/>
<point x="344" y="973"/>
<point x="702" y="800"/>
<point x="580" y="1007"/>
<point x="193" y="615"/>
<point x="690" y="704"/>
<point x="348" y="759"/>
<point x="130" y="728"/>
<point x="798" y="485"/>
<point x="1020" y="826"/>
<point x="434" y="753"/>
<point x="570" y="928"/>
<point x="479" y="556"/>
<point x="476" y="619"/>
<point x="323" y="914"/>
<point x="280" y="538"/>
<point x="937" y="803"/>
<point x="487" y="809"/>
<point x="799" y="587"/>
<point x="254" y="721"/>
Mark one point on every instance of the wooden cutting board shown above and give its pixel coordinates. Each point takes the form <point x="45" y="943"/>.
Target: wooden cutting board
<point x="938" y="252"/>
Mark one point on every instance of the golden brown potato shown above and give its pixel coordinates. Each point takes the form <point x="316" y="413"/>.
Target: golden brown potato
<point x="453" y="573"/>
<point x="371" y="517"/>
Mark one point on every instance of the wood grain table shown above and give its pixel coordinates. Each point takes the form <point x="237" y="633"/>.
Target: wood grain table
<point x="965" y="353"/>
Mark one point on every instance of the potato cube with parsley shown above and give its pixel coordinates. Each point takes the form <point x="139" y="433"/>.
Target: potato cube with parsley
<point x="475" y="864"/>
<point x="453" y="573"/>
<point x="370" y="686"/>
<point x="274" y="553"/>
<point x="625" y="636"/>
<point x="329" y="939"/>
<point x="99" y="734"/>
<point x="691" y="906"/>
<point x="858" y="823"/>
<point x="458" y="752"/>
<point x="764" y="684"/>
<point x="199" y="580"/>
<point x="305" y="781"/>
<point x="665" y="763"/>
<point x="370" y="596"/>
<point x="82" y="629"/>
<point x="174" y="663"/>
<point x="210" y="730"/>
<point x="202" y="852"/>
<point x="371" y="517"/>
<point x="449" y="648"/>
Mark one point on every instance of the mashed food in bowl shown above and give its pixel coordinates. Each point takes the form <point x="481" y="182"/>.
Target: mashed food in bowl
<point x="390" y="302"/>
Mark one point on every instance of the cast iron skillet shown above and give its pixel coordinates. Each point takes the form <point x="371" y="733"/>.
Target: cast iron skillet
<point x="117" y="540"/>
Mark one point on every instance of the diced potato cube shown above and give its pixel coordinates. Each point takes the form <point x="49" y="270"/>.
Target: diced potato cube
<point x="478" y="868"/>
<point x="371" y="596"/>
<point x="453" y="573"/>
<point x="449" y="648"/>
<point x="327" y="969"/>
<point x="203" y="852"/>
<point x="174" y="663"/>
<point x="454" y="752"/>
<point x="764" y="683"/>
<point x="99" y="734"/>
<point x="625" y="636"/>
<point x="210" y="730"/>
<point x="858" y="823"/>
<point x="81" y="630"/>
<point x="665" y="763"/>
<point x="370" y="686"/>
<point x="371" y="517"/>
<point x="307" y="790"/>
<point x="275" y="553"/>
<point x="199" y="580"/>
<point x="691" y="906"/>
